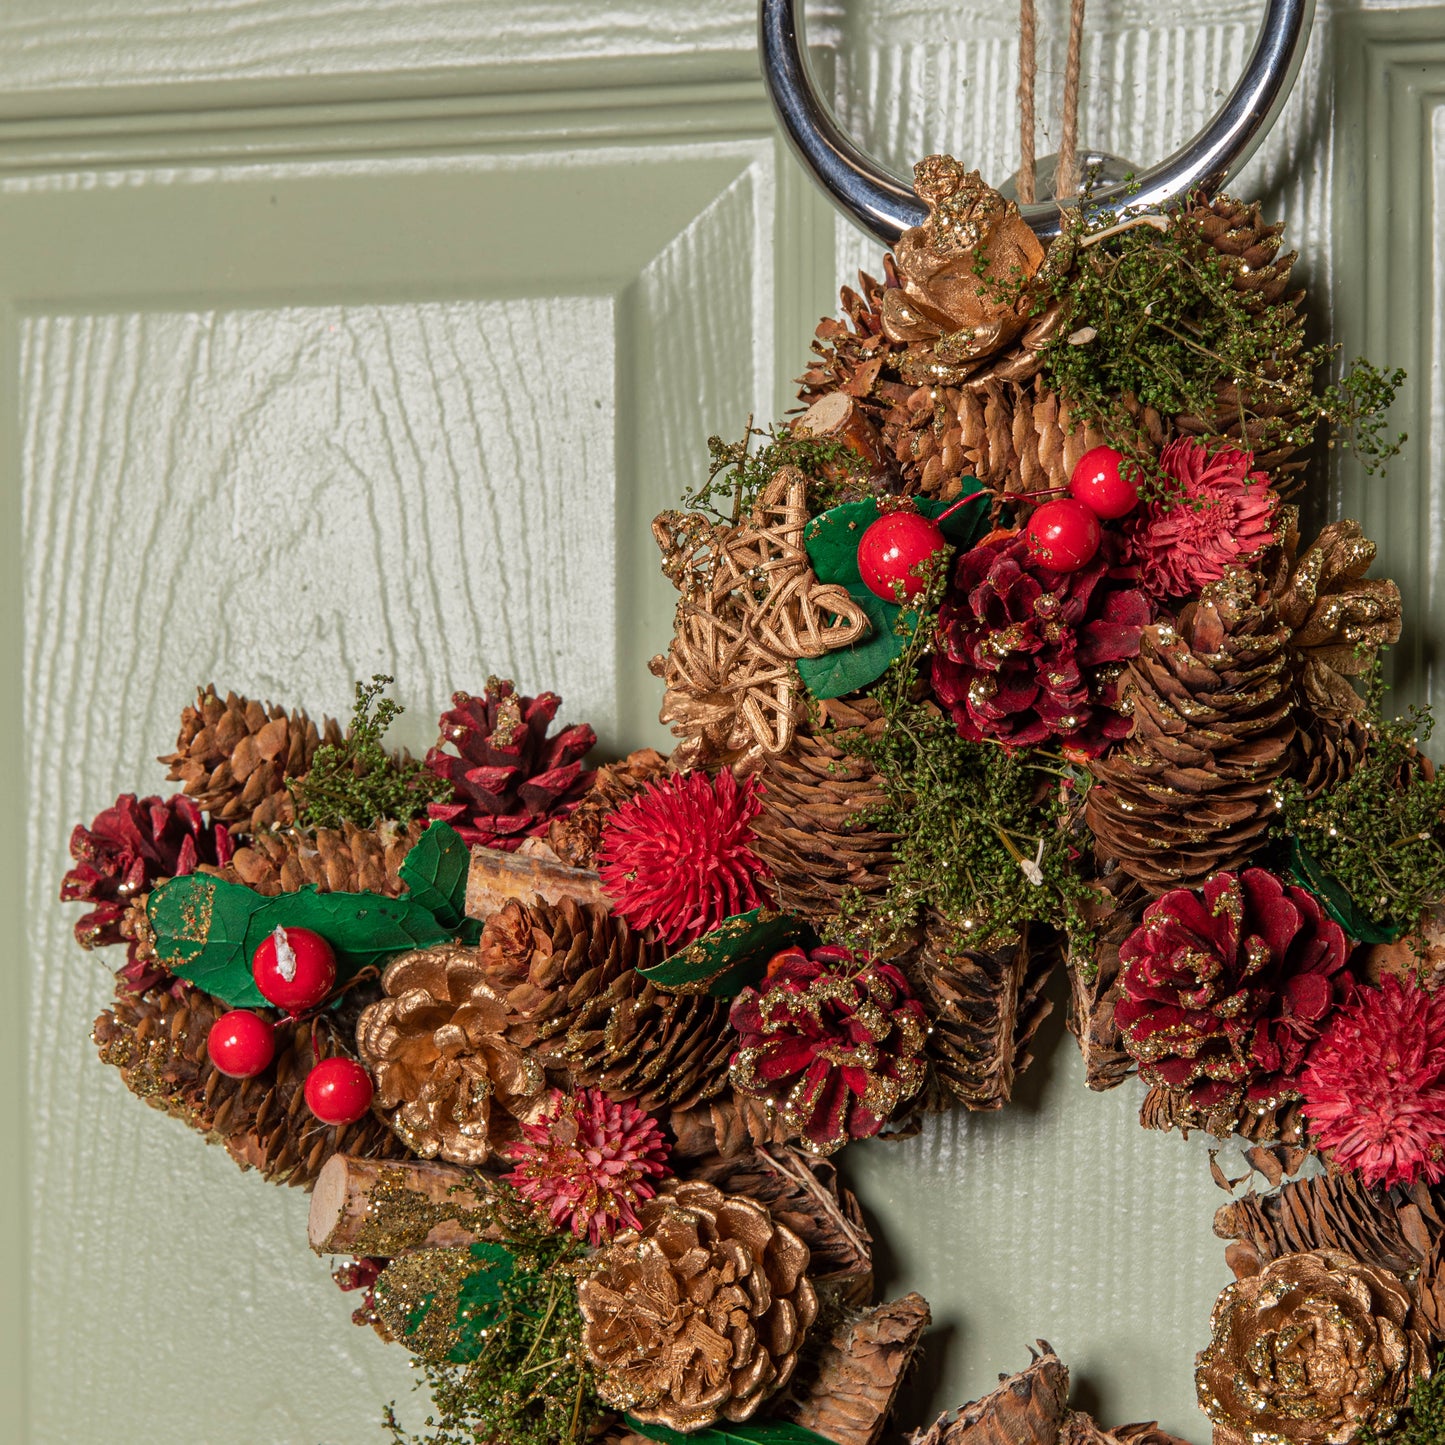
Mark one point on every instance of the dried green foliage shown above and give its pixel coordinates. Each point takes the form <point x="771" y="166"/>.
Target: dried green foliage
<point x="738" y="473"/>
<point x="1423" y="1422"/>
<point x="1379" y="835"/>
<point x="981" y="834"/>
<point x="527" y="1381"/>
<point x="359" y="781"/>
<point x="1153" y="314"/>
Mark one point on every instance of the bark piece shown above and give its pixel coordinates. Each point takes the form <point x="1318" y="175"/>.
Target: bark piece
<point x="496" y="877"/>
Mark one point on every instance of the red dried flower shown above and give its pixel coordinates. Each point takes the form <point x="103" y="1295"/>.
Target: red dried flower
<point x="126" y="851"/>
<point x="677" y="856"/>
<point x="1220" y="515"/>
<point x="836" y="1040"/>
<point x="1374" y="1085"/>
<point x="588" y="1162"/>
<point x="1023" y="652"/>
<point x="1224" y="989"/>
<point x="511" y="779"/>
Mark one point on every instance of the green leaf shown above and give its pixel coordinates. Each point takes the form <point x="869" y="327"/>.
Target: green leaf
<point x="733" y="955"/>
<point x="850" y="669"/>
<point x="479" y="1305"/>
<point x="968" y="523"/>
<point x="207" y="930"/>
<point x="750" y="1432"/>
<point x="831" y="538"/>
<point x="435" y="873"/>
<point x="1337" y="902"/>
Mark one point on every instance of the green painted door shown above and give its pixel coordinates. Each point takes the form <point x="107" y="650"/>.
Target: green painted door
<point x="344" y="336"/>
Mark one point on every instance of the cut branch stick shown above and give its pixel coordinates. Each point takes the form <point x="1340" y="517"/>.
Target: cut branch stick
<point x="838" y="417"/>
<point x="371" y="1207"/>
<point x="497" y="877"/>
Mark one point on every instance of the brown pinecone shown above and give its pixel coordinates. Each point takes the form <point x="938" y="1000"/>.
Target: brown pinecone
<point x="575" y="838"/>
<point x="698" y="1315"/>
<point x="1278" y="1121"/>
<point x="983" y="1009"/>
<point x="852" y="358"/>
<point x="345" y="860"/>
<point x="158" y="1042"/>
<point x="549" y="961"/>
<point x="728" y="1126"/>
<point x="1249" y="252"/>
<point x="437" y="1045"/>
<point x="808" y="832"/>
<point x="234" y="758"/>
<point x="1187" y="793"/>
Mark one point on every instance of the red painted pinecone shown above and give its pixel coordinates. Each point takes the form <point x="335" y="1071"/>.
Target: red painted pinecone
<point x="1224" y="990"/>
<point x="511" y="779"/>
<point x="836" y="1040"/>
<point x="123" y="854"/>
<point x="1026" y="655"/>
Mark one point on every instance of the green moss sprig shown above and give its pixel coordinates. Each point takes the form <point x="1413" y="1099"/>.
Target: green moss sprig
<point x="738" y="472"/>
<point x="529" y="1382"/>
<point x="1381" y="833"/>
<point x="981" y="838"/>
<point x="358" y="781"/>
<point x="1423" y="1422"/>
<point x="1153" y="314"/>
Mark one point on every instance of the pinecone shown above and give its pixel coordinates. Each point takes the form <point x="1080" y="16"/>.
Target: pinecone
<point x="550" y="961"/>
<point x="345" y="860"/>
<point x="727" y="1126"/>
<point x="1188" y="792"/>
<point x="438" y="1048"/>
<point x="852" y="359"/>
<point x="158" y="1042"/>
<point x="575" y="838"/>
<point x="1249" y="254"/>
<point x="809" y="833"/>
<point x="700" y="1314"/>
<point x="511" y="779"/>
<point x="235" y="757"/>
<point x="983" y="1010"/>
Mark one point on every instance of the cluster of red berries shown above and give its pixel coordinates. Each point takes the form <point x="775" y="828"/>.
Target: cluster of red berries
<point x="295" y="969"/>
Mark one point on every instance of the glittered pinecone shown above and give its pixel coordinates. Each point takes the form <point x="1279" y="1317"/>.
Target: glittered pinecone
<point x="1248" y="254"/>
<point x="1339" y="617"/>
<point x="551" y="961"/>
<point x="700" y="1314"/>
<point x="437" y="1045"/>
<point x="158" y="1042"/>
<point x="810" y="833"/>
<point x="234" y="758"/>
<point x="344" y="860"/>
<point x="1213" y="703"/>
<point x="575" y="838"/>
<point x="983" y="1011"/>
<point x="511" y="779"/>
<point x="834" y="1039"/>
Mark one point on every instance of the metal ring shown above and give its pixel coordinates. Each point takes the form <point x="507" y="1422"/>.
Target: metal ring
<point x="886" y="207"/>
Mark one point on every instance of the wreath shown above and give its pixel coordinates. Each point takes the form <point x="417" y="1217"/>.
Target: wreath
<point x="1007" y="654"/>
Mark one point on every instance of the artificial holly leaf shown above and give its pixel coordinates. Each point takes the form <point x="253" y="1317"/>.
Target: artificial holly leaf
<point x="435" y="874"/>
<point x="207" y="930"/>
<point x="722" y="963"/>
<point x="831" y="538"/>
<point x="480" y="1300"/>
<point x="750" y="1432"/>
<point x="1337" y="901"/>
<point x="850" y="669"/>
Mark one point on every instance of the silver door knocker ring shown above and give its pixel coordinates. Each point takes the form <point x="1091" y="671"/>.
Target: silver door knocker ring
<point x="885" y="207"/>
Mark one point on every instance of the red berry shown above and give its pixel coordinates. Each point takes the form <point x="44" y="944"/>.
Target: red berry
<point x="1063" y="535"/>
<point x="1100" y="485"/>
<point x="294" y="969"/>
<point x="241" y="1044"/>
<point x="893" y="548"/>
<point x="338" y="1091"/>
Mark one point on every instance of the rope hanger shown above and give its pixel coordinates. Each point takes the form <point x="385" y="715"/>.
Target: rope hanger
<point x="1066" y="179"/>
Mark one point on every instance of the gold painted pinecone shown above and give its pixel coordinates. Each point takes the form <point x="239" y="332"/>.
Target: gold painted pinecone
<point x="809" y="832"/>
<point x="437" y="1045"/>
<point x="234" y="758"/>
<point x="549" y="961"/>
<point x="333" y="860"/>
<point x="158" y="1043"/>
<point x="576" y="837"/>
<point x="1187" y="793"/>
<point x="699" y="1315"/>
<point x="1309" y="1351"/>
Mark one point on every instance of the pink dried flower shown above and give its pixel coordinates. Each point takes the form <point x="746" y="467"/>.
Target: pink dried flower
<point x="588" y="1162"/>
<point x="1220" y="515"/>
<point x="677" y="856"/>
<point x="1374" y="1085"/>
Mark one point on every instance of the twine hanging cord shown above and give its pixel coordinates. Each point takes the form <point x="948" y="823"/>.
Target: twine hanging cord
<point x="1066" y="179"/>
